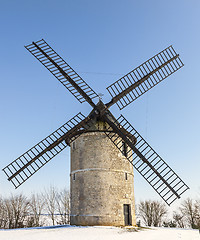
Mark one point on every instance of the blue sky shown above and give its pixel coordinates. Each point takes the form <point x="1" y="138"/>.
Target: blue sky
<point x="102" y="41"/>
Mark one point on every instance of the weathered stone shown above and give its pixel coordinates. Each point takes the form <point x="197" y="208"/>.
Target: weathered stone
<point x="101" y="182"/>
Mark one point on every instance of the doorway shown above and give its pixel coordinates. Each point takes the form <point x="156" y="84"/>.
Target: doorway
<point x="127" y="215"/>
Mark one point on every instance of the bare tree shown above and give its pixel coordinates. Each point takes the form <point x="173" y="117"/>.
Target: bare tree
<point x="63" y="206"/>
<point x="159" y="212"/>
<point x="179" y="219"/>
<point x="20" y="206"/>
<point x="3" y="214"/>
<point x="37" y="203"/>
<point x="9" y="213"/>
<point x="146" y="212"/>
<point x="50" y="196"/>
<point x="190" y="210"/>
<point x="16" y="210"/>
<point x="152" y="212"/>
<point x="198" y="213"/>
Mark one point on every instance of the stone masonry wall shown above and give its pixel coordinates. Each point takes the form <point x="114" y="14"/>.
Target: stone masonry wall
<point x="101" y="182"/>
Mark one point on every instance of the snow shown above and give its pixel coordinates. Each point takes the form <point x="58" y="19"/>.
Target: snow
<point x="96" y="233"/>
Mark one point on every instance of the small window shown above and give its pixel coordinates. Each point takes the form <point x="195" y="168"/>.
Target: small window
<point x="73" y="176"/>
<point x="126" y="176"/>
<point x="124" y="149"/>
<point x="73" y="145"/>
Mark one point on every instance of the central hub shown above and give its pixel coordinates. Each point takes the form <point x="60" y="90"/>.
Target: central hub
<point x="100" y="109"/>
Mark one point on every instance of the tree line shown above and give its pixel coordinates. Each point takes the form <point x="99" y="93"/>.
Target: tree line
<point x="19" y="211"/>
<point x="52" y="207"/>
<point x="155" y="213"/>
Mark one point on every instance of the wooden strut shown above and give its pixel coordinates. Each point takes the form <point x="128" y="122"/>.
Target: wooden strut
<point x="136" y="84"/>
<point x="66" y="135"/>
<point x="87" y="98"/>
<point x="131" y="145"/>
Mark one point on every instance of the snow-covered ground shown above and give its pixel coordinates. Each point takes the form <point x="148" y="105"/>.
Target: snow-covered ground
<point x="95" y="233"/>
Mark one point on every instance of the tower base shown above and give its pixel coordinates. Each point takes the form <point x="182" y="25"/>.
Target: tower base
<point x="101" y="189"/>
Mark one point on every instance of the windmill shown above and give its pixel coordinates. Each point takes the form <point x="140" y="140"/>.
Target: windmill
<point x="100" y="143"/>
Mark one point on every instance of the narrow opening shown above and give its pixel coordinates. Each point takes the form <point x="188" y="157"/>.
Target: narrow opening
<point x="127" y="215"/>
<point x="73" y="177"/>
<point x="124" y="149"/>
<point x="126" y="176"/>
<point x="73" y="145"/>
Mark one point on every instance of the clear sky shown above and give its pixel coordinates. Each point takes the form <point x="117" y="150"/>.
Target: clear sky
<point x="102" y="41"/>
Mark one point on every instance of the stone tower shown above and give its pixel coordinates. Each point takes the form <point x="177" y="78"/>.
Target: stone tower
<point x="101" y="181"/>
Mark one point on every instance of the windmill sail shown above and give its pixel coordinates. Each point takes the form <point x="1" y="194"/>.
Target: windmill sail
<point x="146" y="161"/>
<point x="124" y="91"/>
<point x="31" y="161"/>
<point x="62" y="71"/>
<point x="143" y="78"/>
